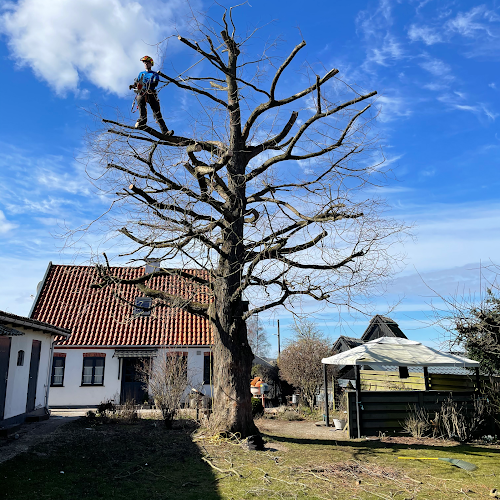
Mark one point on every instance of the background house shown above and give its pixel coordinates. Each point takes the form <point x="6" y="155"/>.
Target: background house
<point x="25" y="367"/>
<point x="112" y="336"/>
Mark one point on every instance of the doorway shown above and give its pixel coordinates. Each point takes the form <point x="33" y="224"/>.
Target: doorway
<point x="34" y="365"/>
<point x="4" y="371"/>
<point x="133" y="388"/>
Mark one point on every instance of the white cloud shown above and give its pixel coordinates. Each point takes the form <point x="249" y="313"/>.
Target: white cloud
<point x="437" y="67"/>
<point x="492" y="85"/>
<point x="5" y="225"/>
<point x="425" y="34"/>
<point x="389" y="51"/>
<point x="468" y="23"/>
<point x="66" y="41"/>
<point x="392" y="108"/>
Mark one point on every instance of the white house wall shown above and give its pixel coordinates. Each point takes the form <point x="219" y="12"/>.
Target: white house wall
<point x="18" y="377"/>
<point x="72" y="393"/>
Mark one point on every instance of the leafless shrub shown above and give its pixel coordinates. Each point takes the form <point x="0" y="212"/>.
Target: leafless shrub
<point x="167" y="380"/>
<point x="417" y="422"/>
<point x="127" y="413"/>
<point x="456" y="421"/>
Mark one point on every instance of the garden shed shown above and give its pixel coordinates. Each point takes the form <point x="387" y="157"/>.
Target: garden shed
<point x="379" y="410"/>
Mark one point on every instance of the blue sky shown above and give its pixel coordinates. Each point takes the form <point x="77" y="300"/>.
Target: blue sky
<point x="433" y="63"/>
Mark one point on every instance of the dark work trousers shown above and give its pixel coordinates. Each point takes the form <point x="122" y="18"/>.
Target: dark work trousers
<point x="152" y="98"/>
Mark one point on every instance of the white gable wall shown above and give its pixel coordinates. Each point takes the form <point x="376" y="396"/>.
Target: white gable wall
<point x="17" y="383"/>
<point x="72" y="393"/>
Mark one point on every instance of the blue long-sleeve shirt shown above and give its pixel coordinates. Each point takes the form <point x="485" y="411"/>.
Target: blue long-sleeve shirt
<point x="149" y="80"/>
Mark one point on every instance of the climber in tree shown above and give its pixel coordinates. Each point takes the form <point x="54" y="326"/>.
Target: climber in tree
<point x="145" y="87"/>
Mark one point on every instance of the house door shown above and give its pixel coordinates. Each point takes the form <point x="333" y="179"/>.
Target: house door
<point x="34" y="364"/>
<point x="133" y="388"/>
<point x="4" y="371"/>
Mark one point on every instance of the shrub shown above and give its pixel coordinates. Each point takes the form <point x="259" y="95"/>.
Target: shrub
<point x="106" y="408"/>
<point x="291" y="416"/>
<point x="257" y="408"/>
<point x="127" y="413"/>
<point x="417" y="423"/>
<point x="455" y="421"/>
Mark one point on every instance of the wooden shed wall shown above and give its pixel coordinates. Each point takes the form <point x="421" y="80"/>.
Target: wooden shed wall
<point x="382" y="411"/>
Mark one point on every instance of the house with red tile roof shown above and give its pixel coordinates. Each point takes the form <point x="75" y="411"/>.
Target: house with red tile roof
<point x="115" y="330"/>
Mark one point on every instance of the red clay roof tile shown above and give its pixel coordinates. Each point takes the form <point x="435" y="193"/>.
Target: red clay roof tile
<point x="98" y="317"/>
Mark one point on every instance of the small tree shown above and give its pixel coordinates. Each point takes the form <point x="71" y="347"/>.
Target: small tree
<point x="300" y="361"/>
<point x="257" y="337"/>
<point x="167" y="379"/>
<point x="478" y="331"/>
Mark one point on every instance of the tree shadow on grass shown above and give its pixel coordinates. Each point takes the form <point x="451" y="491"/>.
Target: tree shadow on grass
<point x="141" y="460"/>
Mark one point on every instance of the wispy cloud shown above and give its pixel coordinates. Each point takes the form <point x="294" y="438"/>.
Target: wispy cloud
<point x="479" y="109"/>
<point x="5" y="225"/>
<point x="478" y="19"/>
<point x="425" y="34"/>
<point x="393" y="107"/>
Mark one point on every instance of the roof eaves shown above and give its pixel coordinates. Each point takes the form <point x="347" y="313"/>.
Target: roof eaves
<point x="14" y="319"/>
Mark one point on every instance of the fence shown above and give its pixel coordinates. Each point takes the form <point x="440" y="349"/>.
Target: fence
<point x="387" y="410"/>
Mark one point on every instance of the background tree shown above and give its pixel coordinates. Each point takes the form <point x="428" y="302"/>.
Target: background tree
<point x="257" y="337"/>
<point x="270" y="204"/>
<point x="300" y="361"/>
<point x="474" y="327"/>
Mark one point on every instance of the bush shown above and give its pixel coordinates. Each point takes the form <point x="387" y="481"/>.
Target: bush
<point x="417" y="423"/>
<point x="291" y="416"/>
<point x="106" y="408"/>
<point x="127" y="413"/>
<point x="257" y="408"/>
<point x="455" y="421"/>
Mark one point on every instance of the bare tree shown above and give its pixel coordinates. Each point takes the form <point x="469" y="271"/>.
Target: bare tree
<point x="257" y="337"/>
<point x="300" y="361"/>
<point x="270" y="204"/>
<point x="166" y="379"/>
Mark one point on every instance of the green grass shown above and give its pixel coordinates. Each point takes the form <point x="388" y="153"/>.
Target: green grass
<point x="110" y="462"/>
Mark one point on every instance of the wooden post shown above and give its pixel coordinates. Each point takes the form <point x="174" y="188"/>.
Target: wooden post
<point x="358" y="399"/>
<point x="325" y="383"/>
<point x="426" y="378"/>
<point x="478" y="380"/>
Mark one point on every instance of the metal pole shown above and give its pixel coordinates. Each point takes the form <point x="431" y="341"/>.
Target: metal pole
<point x="279" y="348"/>
<point x="325" y="382"/>
<point x="426" y="378"/>
<point x="358" y="399"/>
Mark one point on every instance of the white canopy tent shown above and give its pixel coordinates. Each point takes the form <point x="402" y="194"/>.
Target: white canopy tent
<point x="392" y="351"/>
<point x="397" y="351"/>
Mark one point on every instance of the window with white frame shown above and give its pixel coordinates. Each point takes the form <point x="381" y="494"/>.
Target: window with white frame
<point x="58" y="366"/>
<point x="93" y="370"/>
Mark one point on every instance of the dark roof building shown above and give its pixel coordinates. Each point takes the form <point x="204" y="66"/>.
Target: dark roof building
<point x="380" y="326"/>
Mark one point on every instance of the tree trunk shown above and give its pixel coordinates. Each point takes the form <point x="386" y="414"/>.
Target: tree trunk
<point x="232" y="354"/>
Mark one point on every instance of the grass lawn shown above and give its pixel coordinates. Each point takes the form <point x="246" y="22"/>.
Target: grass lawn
<point x="146" y="461"/>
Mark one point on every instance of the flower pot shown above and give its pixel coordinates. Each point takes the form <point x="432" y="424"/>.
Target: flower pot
<point x="255" y="391"/>
<point x="339" y="423"/>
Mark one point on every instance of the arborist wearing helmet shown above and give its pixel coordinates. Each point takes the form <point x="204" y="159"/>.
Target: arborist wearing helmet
<point x="145" y="87"/>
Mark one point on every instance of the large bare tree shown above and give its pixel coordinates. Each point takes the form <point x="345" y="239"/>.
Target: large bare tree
<point x="264" y="190"/>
